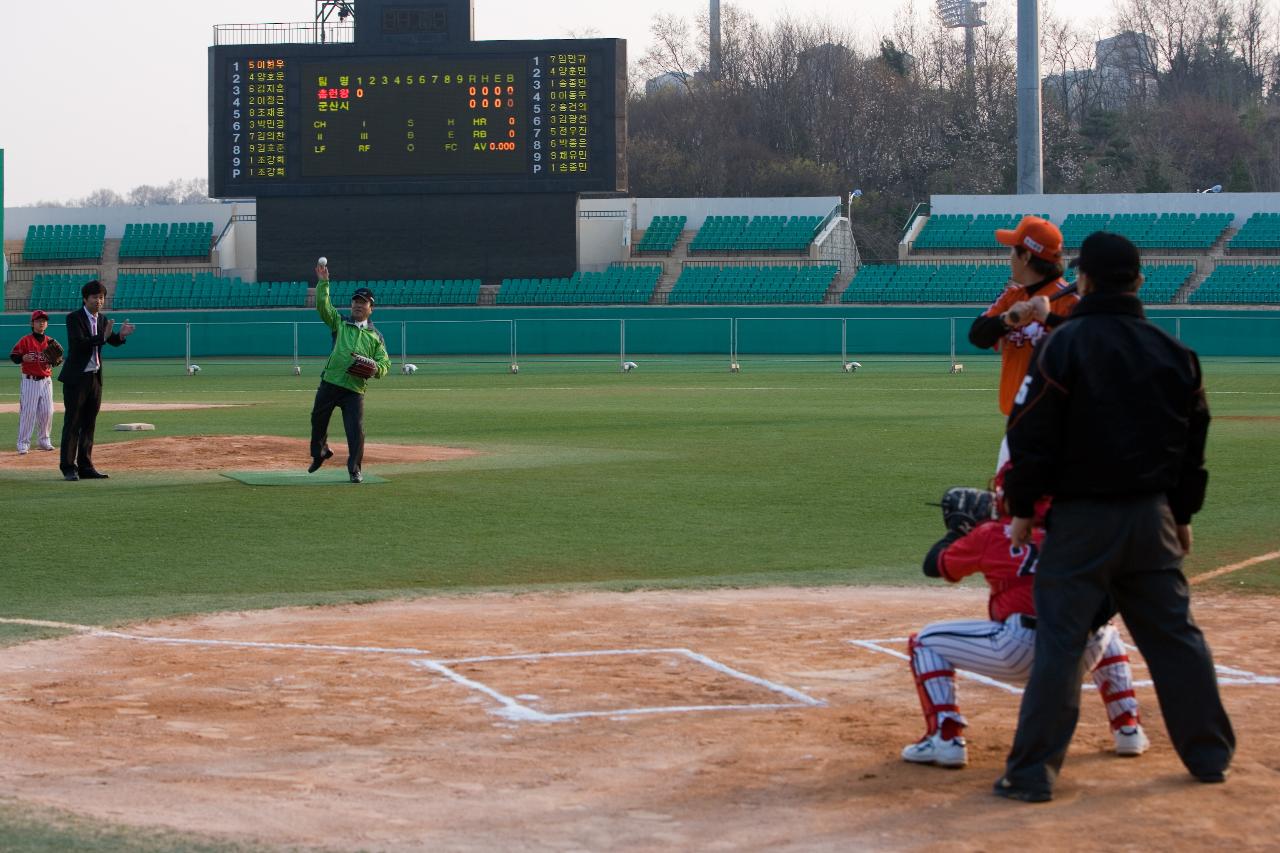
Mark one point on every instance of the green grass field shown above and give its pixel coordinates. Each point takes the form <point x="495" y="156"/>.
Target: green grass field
<point x="680" y="474"/>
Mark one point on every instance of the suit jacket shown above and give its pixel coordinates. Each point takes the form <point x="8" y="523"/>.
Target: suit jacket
<point x="80" y="345"/>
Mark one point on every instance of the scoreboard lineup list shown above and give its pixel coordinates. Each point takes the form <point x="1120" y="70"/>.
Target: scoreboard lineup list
<point x="411" y="116"/>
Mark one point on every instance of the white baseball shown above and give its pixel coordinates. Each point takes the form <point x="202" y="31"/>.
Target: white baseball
<point x="324" y="262"/>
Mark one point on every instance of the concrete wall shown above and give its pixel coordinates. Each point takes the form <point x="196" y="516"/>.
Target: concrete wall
<point x="1243" y="205"/>
<point x="698" y="209"/>
<point x="16" y="219"/>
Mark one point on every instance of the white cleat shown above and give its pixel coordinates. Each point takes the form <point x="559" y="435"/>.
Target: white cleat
<point x="1131" y="740"/>
<point x="47" y="447"/>
<point x="932" y="749"/>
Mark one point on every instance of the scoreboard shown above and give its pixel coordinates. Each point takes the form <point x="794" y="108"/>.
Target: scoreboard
<point x="298" y="120"/>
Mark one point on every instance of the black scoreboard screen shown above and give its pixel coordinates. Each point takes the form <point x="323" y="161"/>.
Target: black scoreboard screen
<point x="291" y="120"/>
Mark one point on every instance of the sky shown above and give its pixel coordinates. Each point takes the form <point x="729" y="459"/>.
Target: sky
<point x="72" y="119"/>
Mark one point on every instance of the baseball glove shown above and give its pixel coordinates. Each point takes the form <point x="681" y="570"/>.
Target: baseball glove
<point x="53" y="353"/>
<point x="362" y="366"/>
<point x="964" y="507"/>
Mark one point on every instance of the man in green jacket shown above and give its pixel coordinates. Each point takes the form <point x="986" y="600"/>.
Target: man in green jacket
<point x="338" y="388"/>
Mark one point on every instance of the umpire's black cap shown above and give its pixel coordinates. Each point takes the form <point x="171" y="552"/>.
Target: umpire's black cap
<point x="363" y="293"/>
<point x="1110" y="261"/>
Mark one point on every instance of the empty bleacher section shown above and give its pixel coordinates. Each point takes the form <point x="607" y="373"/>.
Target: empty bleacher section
<point x="927" y="283"/>
<point x="704" y="284"/>
<point x="166" y="240"/>
<point x="1149" y="230"/>
<point x="1260" y="231"/>
<point x="204" y="290"/>
<point x="1146" y="230"/>
<point x="661" y="235"/>
<point x="720" y="234"/>
<point x="979" y="283"/>
<point x="63" y="242"/>
<point x="57" y="292"/>
<point x="449" y="291"/>
<point x="1161" y="283"/>
<point x="959" y="231"/>
<point x="1240" y="284"/>
<point x="617" y="285"/>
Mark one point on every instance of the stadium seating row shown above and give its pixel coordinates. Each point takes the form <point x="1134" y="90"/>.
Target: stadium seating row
<point x="1146" y="230"/>
<point x="63" y="242"/>
<point x="415" y="291"/>
<point x="661" y="235"/>
<point x="1245" y="284"/>
<point x="758" y="233"/>
<point x="1260" y="231"/>
<point x="58" y="291"/>
<point x="713" y="284"/>
<point x="977" y="283"/>
<point x="204" y="290"/>
<point x="166" y="240"/>
<point x="617" y="284"/>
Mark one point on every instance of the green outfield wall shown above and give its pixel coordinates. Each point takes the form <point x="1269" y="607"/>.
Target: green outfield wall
<point x="658" y="330"/>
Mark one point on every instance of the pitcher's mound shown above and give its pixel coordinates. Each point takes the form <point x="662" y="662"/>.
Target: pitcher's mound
<point x="232" y="453"/>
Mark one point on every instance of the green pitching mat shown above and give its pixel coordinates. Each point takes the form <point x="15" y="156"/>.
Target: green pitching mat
<point x="323" y="477"/>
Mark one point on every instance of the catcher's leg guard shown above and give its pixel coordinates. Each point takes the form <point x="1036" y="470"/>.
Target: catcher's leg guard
<point x="935" y="685"/>
<point x="1109" y="666"/>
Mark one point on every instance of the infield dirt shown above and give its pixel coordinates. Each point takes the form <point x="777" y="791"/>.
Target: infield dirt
<point x="361" y="749"/>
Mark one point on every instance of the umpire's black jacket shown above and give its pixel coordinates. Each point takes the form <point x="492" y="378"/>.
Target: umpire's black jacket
<point x="1112" y="407"/>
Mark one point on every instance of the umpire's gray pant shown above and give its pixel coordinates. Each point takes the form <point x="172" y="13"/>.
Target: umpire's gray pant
<point x="1128" y="549"/>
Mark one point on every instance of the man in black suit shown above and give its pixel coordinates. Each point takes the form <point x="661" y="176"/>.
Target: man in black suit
<point x="81" y="378"/>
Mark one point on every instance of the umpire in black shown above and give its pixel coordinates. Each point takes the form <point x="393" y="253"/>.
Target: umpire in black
<point x="1111" y="420"/>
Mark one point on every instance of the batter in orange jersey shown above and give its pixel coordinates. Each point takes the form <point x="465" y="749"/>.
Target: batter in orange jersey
<point x="1011" y="327"/>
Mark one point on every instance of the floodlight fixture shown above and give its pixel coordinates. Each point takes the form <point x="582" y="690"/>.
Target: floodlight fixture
<point x="962" y="13"/>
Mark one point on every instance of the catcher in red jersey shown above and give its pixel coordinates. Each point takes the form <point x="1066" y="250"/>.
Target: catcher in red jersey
<point x="36" y="354"/>
<point x="1003" y="645"/>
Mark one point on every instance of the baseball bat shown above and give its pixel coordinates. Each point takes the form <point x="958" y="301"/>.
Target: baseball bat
<point x="1066" y="291"/>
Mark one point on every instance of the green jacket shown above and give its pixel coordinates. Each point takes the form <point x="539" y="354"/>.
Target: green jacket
<point x="348" y="339"/>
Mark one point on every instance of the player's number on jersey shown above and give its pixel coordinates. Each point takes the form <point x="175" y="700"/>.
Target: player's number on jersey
<point x="1022" y="392"/>
<point x="1029" y="555"/>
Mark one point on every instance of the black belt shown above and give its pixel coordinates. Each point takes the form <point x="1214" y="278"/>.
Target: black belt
<point x="1028" y="622"/>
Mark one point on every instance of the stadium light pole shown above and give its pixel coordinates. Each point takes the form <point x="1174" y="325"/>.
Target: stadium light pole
<point x="1030" y="146"/>
<point x="967" y="14"/>
<point x="714" y="27"/>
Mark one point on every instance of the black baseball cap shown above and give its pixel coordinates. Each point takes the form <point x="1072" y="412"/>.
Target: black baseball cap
<point x="1110" y="260"/>
<point x="363" y="293"/>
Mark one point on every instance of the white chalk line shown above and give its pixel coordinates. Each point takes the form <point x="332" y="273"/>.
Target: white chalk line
<point x="1226" y="674"/>
<point x="1234" y="567"/>
<point x="186" y="641"/>
<point x="509" y="707"/>
<point x="514" y="710"/>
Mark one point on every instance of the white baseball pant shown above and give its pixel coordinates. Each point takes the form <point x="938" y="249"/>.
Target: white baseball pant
<point x="1006" y="650"/>
<point x="35" y="413"/>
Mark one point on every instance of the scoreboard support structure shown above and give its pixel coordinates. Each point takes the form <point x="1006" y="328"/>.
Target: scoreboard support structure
<point x="480" y="235"/>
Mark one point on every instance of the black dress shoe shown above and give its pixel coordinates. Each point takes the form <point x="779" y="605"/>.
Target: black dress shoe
<point x="92" y="474"/>
<point x="71" y="476"/>
<point x="357" y="477"/>
<point x="1005" y="788"/>
<point x="1213" y="777"/>
<point x="316" y="463"/>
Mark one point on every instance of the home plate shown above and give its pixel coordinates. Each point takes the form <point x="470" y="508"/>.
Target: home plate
<point x="134" y="427"/>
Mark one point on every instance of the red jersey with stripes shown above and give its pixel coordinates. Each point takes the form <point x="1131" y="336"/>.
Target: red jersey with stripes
<point x="36" y="367"/>
<point x="1008" y="571"/>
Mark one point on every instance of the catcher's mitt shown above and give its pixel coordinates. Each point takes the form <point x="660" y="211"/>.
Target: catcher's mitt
<point x="964" y="507"/>
<point x="53" y="353"/>
<point x="362" y="366"/>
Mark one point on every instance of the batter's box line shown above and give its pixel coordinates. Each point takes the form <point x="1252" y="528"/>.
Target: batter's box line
<point x="512" y="709"/>
<point x="1226" y="674"/>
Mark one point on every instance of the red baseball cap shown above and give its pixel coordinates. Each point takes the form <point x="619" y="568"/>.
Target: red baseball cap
<point x="1038" y="236"/>
<point x="38" y="315"/>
